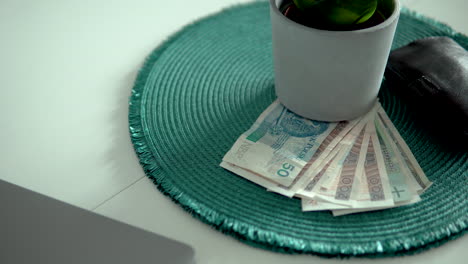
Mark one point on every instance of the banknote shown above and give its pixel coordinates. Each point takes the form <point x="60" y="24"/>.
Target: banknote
<point x="371" y="189"/>
<point x="290" y="190"/>
<point x="327" y="150"/>
<point x="324" y="153"/>
<point x="309" y="205"/>
<point x="326" y="172"/>
<point x="413" y="166"/>
<point x="374" y="184"/>
<point x="344" y="182"/>
<point x="346" y="146"/>
<point x="340" y="212"/>
<point x="400" y="184"/>
<point x="249" y="175"/>
<point x="386" y="152"/>
<point x="346" y="167"/>
<point x="383" y="149"/>
<point x="281" y="144"/>
<point x="307" y="191"/>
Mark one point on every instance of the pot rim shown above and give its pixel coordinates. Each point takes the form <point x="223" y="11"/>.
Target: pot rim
<point x="395" y="14"/>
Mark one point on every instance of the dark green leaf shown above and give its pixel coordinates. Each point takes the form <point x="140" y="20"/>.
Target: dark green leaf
<point x="339" y="12"/>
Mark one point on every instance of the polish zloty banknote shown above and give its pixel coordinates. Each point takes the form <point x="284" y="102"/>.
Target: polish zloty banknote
<point x="400" y="184"/>
<point x="363" y="200"/>
<point x="324" y="153"/>
<point x="309" y="205"/>
<point x="340" y="212"/>
<point x="342" y="185"/>
<point x="329" y="171"/>
<point x="292" y="189"/>
<point x="376" y="176"/>
<point x="346" y="167"/>
<point x="345" y="146"/>
<point x="371" y="189"/>
<point x="249" y="175"/>
<point x="413" y="166"/>
<point x="306" y="191"/>
<point x="280" y="145"/>
<point x="403" y="187"/>
<point x="397" y="183"/>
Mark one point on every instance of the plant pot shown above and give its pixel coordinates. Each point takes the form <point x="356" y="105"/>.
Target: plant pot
<point x="329" y="75"/>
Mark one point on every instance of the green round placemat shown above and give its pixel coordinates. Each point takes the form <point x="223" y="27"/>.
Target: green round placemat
<point x="207" y="84"/>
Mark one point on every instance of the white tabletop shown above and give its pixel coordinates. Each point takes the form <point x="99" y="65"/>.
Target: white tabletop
<point x="66" y="71"/>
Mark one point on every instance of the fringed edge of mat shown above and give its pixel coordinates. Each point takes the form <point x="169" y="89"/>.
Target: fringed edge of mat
<point x="255" y="236"/>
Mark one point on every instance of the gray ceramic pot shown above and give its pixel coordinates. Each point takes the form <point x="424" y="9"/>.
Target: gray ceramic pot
<point x="329" y="75"/>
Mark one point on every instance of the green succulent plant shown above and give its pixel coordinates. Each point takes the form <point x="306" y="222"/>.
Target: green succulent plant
<point x="340" y="12"/>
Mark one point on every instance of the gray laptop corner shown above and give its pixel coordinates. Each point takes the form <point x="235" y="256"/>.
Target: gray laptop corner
<point x="38" y="229"/>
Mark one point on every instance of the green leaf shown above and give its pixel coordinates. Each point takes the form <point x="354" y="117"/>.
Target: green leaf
<point x="339" y="12"/>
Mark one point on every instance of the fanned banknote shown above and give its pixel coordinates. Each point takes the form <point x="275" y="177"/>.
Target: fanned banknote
<point x="406" y="154"/>
<point x="347" y="167"/>
<point x="280" y="145"/>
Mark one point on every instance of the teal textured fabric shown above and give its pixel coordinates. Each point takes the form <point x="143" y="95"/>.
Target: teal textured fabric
<point x="206" y="85"/>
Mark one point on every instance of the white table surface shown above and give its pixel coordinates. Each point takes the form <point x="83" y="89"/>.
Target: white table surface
<point x="66" y="71"/>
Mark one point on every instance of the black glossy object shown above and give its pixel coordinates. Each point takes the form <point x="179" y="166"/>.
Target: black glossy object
<point x="432" y="75"/>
